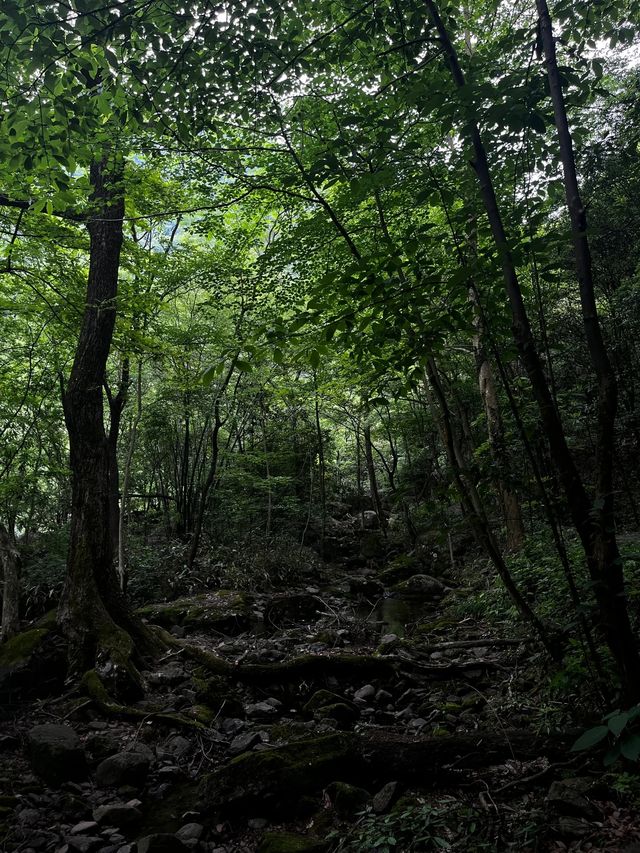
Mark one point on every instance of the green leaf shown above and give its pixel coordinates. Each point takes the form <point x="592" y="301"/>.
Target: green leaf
<point x="244" y="366"/>
<point x="630" y="747"/>
<point x="590" y="738"/>
<point x="618" y="722"/>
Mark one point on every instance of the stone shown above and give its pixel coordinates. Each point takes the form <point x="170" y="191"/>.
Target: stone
<point x="179" y="745"/>
<point x="190" y="831"/>
<point x="340" y="712"/>
<point x="388" y="640"/>
<point x="101" y="745"/>
<point x="366" y="692"/>
<point x="385" y="797"/>
<point x="178" y="631"/>
<point x="32" y="664"/>
<point x="83" y="827"/>
<point x="347" y="800"/>
<point x="242" y="743"/>
<point x="257" y="823"/>
<point x="261" y="710"/>
<point x="124" y="768"/>
<point x="83" y="843"/>
<point x="320" y="699"/>
<point x="567" y="797"/>
<point x="161" y="842"/>
<point x="571" y="827"/>
<point x="56" y="754"/>
<point x="120" y="815"/>
<point x="420" y="586"/>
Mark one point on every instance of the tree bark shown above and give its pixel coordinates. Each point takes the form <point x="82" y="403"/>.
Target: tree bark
<point x="93" y="611"/>
<point x="10" y="558"/>
<point x="373" y="480"/>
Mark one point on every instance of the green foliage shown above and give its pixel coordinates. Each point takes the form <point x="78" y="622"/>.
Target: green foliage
<point x="622" y="736"/>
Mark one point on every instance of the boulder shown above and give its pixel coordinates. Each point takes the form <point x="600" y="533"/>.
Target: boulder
<point x="347" y="800"/>
<point x="56" y="754"/>
<point x="124" y="768"/>
<point x="568" y="797"/>
<point x="120" y="815"/>
<point x="222" y="611"/>
<point x="277" y="778"/>
<point x="420" y="586"/>
<point x="32" y="665"/>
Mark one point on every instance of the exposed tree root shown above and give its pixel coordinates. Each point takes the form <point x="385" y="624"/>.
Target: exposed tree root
<point x="97" y="692"/>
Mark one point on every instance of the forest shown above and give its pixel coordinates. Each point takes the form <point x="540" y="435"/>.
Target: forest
<point x="319" y="426"/>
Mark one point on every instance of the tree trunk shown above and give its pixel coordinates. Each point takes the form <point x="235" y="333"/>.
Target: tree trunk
<point x="603" y="559"/>
<point x="122" y="515"/>
<point x="507" y="496"/>
<point x="116" y="408"/>
<point x="373" y="481"/>
<point x="93" y="611"/>
<point x="10" y="559"/>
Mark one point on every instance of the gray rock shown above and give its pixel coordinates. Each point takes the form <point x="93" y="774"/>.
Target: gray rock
<point x="261" y="710"/>
<point x="125" y="768"/>
<point x="179" y="745"/>
<point x="56" y="754"/>
<point x="189" y="831"/>
<point x="83" y="843"/>
<point x="366" y="692"/>
<point x="242" y="743"/>
<point x="119" y="815"/>
<point x="83" y="827"/>
<point x="161" y="842"/>
<point x="257" y="823"/>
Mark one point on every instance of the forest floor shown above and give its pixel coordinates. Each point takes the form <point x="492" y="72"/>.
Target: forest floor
<point x="354" y="718"/>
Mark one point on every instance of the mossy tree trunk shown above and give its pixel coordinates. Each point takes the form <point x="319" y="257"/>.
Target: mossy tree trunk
<point x="93" y="611"/>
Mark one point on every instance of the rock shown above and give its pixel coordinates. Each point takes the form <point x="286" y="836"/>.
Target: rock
<point x="56" y="754"/>
<point x="101" y="745"/>
<point x="420" y="586"/>
<point x="347" y="800"/>
<point x="320" y="699"/>
<point x="190" y="831"/>
<point x="385" y="797"/>
<point x="83" y="843"/>
<point x="257" y="823"/>
<point x="366" y="692"/>
<point x="161" y="842"/>
<point x="291" y="609"/>
<point x="120" y="815"/>
<point x="567" y="797"/>
<point x="285" y="842"/>
<point x="83" y="827"/>
<point x="32" y="664"/>
<point x="261" y="710"/>
<point x="179" y="745"/>
<point x="388" y="640"/>
<point x="366" y="587"/>
<point x="221" y="611"/>
<point x="243" y="743"/>
<point x="571" y="827"/>
<point x="178" y="631"/>
<point x="372" y="545"/>
<point x="125" y="768"/>
<point x="276" y="778"/>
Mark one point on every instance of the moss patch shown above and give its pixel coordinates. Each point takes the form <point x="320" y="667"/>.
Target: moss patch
<point x="223" y="610"/>
<point x="19" y="649"/>
<point x="285" y="842"/>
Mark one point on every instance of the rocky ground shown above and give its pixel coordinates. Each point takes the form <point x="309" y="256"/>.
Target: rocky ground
<point x="361" y="715"/>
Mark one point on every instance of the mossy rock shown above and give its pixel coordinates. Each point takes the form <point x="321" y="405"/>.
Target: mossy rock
<point x="222" y="611"/>
<point x="400" y="569"/>
<point x="32" y="665"/>
<point x="339" y="712"/>
<point x="346" y="799"/>
<point x="286" y="842"/>
<point x="420" y="586"/>
<point x="320" y="699"/>
<point x="278" y="777"/>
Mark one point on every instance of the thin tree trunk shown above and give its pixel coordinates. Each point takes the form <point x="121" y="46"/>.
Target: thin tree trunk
<point x="598" y="540"/>
<point x="116" y="408"/>
<point x="472" y="506"/>
<point x="124" y="506"/>
<point x="509" y="500"/>
<point x="321" y="463"/>
<point x="373" y="480"/>
<point x="10" y="559"/>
